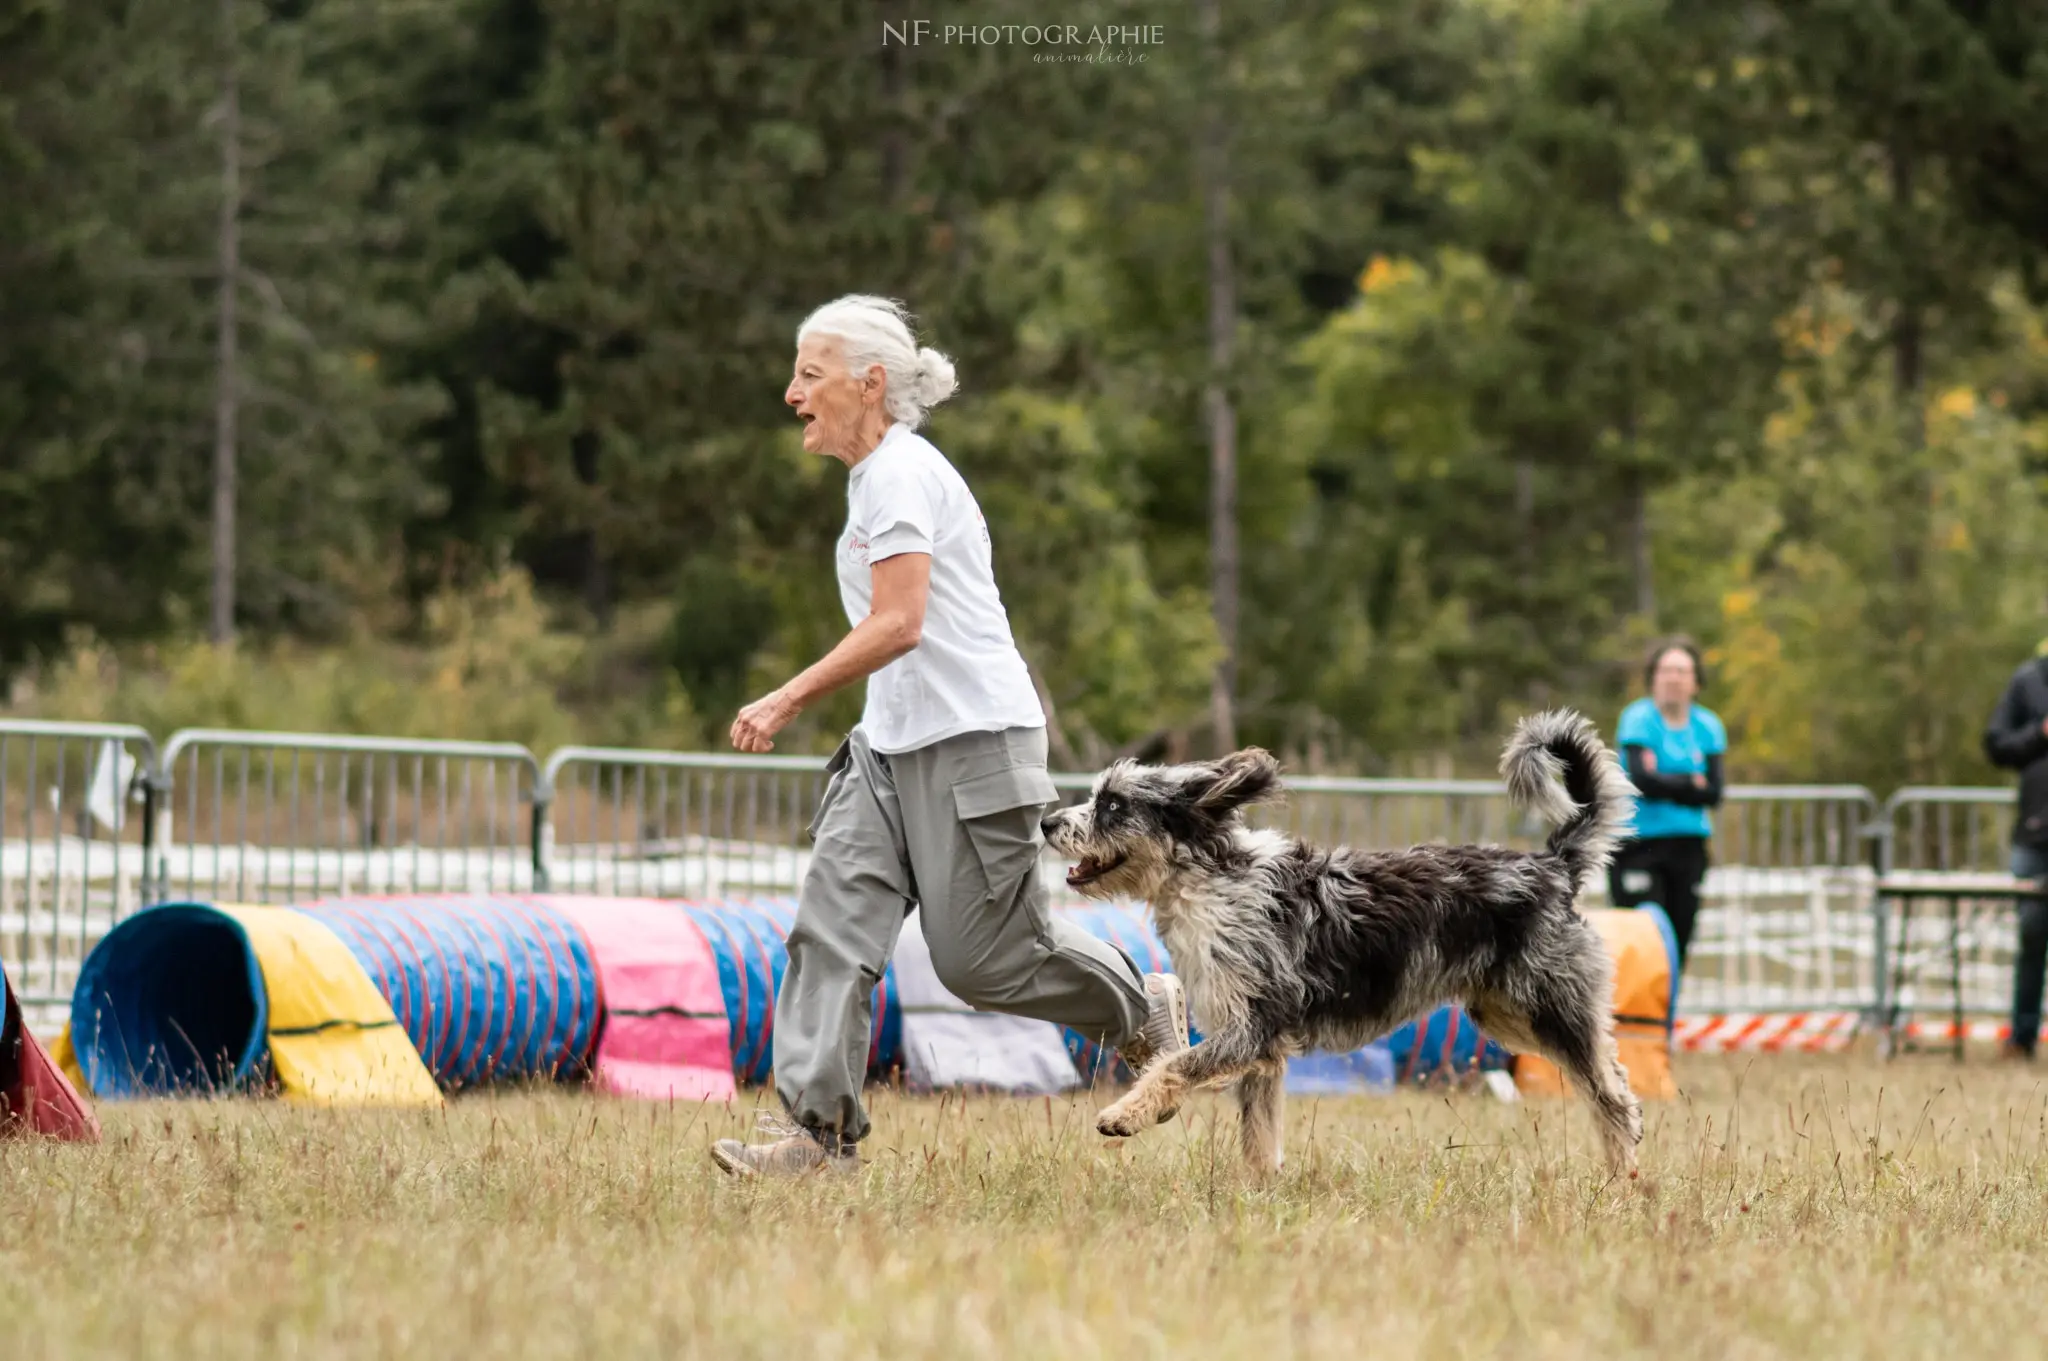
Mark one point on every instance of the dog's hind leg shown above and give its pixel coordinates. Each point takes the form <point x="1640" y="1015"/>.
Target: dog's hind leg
<point x="1262" y="1112"/>
<point x="1563" y="1026"/>
<point x="1164" y="1085"/>
<point x="1604" y="1083"/>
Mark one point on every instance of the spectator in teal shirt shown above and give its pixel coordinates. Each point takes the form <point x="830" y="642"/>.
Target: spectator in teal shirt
<point x="1672" y="749"/>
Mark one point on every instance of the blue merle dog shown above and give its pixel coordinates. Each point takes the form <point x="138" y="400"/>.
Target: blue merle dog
<point x="1287" y="947"/>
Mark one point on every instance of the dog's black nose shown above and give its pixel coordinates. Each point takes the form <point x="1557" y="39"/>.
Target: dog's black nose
<point x="1047" y="823"/>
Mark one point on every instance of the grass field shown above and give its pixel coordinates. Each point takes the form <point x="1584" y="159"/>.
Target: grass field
<point x="1787" y="1207"/>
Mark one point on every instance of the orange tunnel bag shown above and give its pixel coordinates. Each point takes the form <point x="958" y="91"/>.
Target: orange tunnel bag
<point x="1639" y="941"/>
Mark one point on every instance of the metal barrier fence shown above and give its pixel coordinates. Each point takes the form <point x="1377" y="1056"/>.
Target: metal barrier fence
<point x="1759" y="826"/>
<point x="1785" y="913"/>
<point x="669" y="824"/>
<point x="1948" y="829"/>
<point x="1787" y="925"/>
<point x="1785" y="922"/>
<point x="274" y="817"/>
<point x="73" y="848"/>
<point x="1962" y="834"/>
<point x="677" y="824"/>
<point x="256" y="817"/>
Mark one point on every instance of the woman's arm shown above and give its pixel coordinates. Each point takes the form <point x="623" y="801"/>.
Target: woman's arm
<point x="1711" y="786"/>
<point x="2014" y="738"/>
<point x="895" y="623"/>
<point x="1690" y="791"/>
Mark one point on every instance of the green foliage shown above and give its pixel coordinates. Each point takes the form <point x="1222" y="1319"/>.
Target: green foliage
<point x="721" y="620"/>
<point x="1834" y="656"/>
<point x="111" y="476"/>
<point x="1558" y="326"/>
<point x="489" y="664"/>
<point x="1121" y="657"/>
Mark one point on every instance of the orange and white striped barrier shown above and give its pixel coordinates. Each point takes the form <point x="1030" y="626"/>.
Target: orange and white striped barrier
<point x="1813" y="1032"/>
<point x="1807" y="1032"/>
<point x="1989" y="1032"/>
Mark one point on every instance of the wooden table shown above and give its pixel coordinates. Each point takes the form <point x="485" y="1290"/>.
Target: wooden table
<point x="1908" y="889"/>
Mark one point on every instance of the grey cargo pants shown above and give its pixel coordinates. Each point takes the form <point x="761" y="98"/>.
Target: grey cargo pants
<point x="952" y="828"/>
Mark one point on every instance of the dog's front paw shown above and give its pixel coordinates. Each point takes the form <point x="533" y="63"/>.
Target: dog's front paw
<point x="1119" y="1121"/>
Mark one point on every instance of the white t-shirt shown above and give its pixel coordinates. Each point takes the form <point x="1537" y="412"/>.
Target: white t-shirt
<point x="965" y="674"/>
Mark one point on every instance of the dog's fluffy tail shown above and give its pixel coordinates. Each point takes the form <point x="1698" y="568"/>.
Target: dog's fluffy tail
<point x="1593" y="806"/>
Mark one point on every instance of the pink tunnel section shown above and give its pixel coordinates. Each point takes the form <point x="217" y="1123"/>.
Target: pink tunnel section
<point x="665" y="1036"/>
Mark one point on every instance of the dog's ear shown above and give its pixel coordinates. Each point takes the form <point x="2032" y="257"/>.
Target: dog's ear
<point x="1238" y="779"/>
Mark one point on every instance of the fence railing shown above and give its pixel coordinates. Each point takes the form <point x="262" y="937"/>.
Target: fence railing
<point x="74" y="847"/>
<point x="1958" y="834"/>
<point x="96" y="820"/>
<point x="676" y="824"/>
<point x="1944" y="828"/>
<point x="1786" y="921"/>
<point x="1788" y="924"/>
<point x="259" y="817"/>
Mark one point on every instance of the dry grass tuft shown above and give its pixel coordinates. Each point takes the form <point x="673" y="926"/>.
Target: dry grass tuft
<point x="1787" y="1207"/>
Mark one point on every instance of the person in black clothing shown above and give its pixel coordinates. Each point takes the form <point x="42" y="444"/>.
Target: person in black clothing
<point x="1672" y="748"/>
<point x="2017" y="739"/>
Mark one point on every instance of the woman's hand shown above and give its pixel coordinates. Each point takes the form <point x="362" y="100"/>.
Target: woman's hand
<point x="893" y="627"/>
<point x="754" y="730"/>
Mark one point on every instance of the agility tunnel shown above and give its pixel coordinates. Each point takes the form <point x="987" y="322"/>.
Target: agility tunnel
<point x="392" y="1000"/>
<point x="1369" y="1071"/>
<point x="358" y="999"/>
<point x="749" y="941"/>
<point x="1444" y="1042"/>
<point x="35" y="1096"/>
<point x="627" y="990"/>
<point x="664" y="1034"/>
<point x="1645" y="953"/>
<point x="388" y="1000"/>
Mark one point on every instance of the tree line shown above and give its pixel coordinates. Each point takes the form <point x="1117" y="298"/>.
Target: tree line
<point x="1344" y="377"/>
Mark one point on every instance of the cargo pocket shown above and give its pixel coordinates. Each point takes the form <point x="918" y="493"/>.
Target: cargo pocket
<point x="835" y="778"/>
<point x="999" y="813"/>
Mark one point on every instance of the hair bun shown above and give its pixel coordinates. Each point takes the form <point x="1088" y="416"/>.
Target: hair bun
<point x="935" y="379"/>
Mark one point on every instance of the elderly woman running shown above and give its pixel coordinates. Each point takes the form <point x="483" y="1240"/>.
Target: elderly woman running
<point x="934" y="799"/>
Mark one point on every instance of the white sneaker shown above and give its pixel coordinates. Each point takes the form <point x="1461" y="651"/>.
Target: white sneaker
<point x="797" y="1152"/>
<point x="1166" y="1023"/>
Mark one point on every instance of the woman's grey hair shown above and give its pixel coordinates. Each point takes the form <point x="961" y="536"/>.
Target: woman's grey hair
<point x="877" y="331"/>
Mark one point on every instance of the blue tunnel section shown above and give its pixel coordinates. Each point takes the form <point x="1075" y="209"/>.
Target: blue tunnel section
<point x="749" y="942"/>
<point x="487" y="987"/>
<point x="171" y="1001"/>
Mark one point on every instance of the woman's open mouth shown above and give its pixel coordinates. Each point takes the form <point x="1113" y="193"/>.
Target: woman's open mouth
<point x="1092" y="868"/>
